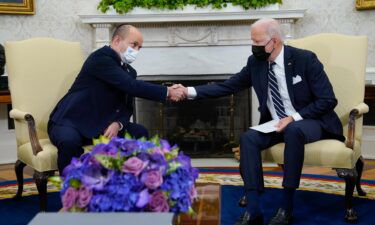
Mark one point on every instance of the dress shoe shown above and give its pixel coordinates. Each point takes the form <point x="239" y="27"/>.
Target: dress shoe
<point x="281" y="218"/>
<point x="246" y="219"/>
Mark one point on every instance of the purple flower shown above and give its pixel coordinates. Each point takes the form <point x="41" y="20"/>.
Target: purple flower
<point x="128" y="147"/>
<point x="84" y="197"/>
<point x="69" y="198"/>
<point x="184" y="160"/>
<point x="152" y="179"/>
<point x="133" y="165"/>
<point x="165" y="146"/>
<point x="133" y="178"/>
<point x="143" y="199"/>
<point x="100" y="203"/>
<point x="72" y="170"/>
<point x="158" y="202"/>
<point x="158" y="150"/>
<point x="183" y="203"/>
<point x="93" y="178"/>
<point x="146" y="145"/>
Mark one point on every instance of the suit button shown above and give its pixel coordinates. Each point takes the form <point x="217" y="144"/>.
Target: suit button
<point x="117" y="110"/>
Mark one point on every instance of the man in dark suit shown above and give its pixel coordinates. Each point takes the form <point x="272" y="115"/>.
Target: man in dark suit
<point x="100" y="100"/>
<point x="291" y="87"/>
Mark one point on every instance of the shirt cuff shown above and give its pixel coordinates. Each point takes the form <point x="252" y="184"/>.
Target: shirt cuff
<point x="192" y="93"/>
<point x="297" y="117"/>
<point x="121" y="126"/>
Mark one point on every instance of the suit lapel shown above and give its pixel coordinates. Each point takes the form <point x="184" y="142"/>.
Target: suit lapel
<point x="263" y="76"/>
<point x="288" y="65"/>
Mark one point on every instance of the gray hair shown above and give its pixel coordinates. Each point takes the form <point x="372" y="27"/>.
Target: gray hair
<point x="272" y="26"/>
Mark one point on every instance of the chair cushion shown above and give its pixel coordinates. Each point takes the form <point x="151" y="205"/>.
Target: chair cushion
<point x="45" y="160"/>
<point x="325" y="153"/>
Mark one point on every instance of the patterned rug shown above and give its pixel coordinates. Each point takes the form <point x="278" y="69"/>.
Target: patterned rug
<point x="317" y="183"/>
<point x="226" y="176"/>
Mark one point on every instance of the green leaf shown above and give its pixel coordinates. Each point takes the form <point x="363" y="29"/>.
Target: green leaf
<point x="173" y="166"/>
<point x="127" y="136"/>
<point x="125" y="6"/>
<point x="100" y="140"/>
<point x="155" y="140"/>
<point x="105" y="161"/>
<point x="75" y="183"/>
<point x="56" y="181"/>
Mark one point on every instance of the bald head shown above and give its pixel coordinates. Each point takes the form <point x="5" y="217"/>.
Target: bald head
<point x="124" y="31"/>
<point x="126" y="36"/>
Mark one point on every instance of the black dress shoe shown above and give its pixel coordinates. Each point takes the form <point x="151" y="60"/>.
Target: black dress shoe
<point x="246" y="219"/>
<point x="281" y="218"/>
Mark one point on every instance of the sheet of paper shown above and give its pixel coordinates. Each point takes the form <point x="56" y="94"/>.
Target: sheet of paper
<point x="266" y="127"/>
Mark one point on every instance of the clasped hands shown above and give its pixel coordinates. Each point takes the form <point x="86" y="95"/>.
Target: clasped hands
<point x="177" y="92"/>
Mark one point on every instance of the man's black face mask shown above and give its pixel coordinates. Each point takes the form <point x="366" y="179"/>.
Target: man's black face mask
<point x="259" y="52"/>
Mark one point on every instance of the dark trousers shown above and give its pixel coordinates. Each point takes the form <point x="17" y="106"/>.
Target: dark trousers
<point x="69" y="141"/>
<point x="295" y="136"/>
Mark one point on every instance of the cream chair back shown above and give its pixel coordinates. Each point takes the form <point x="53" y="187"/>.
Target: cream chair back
<point x="40" y="70"/>
<point x="344" y="58"/>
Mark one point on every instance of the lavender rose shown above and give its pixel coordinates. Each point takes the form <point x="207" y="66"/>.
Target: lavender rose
<point x="84" y="197"/>
<point x="69" y="198"/>
<point x="152" y="179"/>
<point x="158" y="202"/>
<point x="133" y="165"/>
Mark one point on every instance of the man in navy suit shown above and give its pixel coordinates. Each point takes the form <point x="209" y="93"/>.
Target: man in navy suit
<point x="100" y="101"/>
<point x="291" y="87"/>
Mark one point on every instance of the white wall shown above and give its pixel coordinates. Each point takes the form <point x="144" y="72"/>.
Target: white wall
<point x="7" y="139"/>
<point x="59" y="19"/>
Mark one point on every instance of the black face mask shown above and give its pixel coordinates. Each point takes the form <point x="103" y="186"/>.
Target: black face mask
<point x="259" y="52"/>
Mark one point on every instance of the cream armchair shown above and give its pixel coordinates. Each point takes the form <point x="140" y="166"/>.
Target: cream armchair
<point x="40" y="71"/>
<point x="344" y="59"/>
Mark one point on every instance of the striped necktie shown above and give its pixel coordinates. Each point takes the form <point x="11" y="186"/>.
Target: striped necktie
<point x="275" y="94"/>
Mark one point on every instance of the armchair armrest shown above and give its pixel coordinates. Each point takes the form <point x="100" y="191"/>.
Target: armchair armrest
<point x="20" y="115"/>
<point x="357" y="111"/>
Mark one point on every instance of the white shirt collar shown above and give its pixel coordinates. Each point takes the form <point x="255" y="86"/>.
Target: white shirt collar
<point x="280" y="58"/>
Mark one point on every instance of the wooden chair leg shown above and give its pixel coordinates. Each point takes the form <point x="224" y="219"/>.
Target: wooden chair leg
<point x="18" y="167"/>
<point x="281" y="166"/>
<point x="41" y="179"/>
<point x="350" y="176"/>
<point x="359" y="166"/>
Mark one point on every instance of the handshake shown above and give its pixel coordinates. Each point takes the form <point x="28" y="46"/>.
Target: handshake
<point x="177" y="93"/>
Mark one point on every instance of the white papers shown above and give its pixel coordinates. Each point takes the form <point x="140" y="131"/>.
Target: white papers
<point x="266" y="127"/>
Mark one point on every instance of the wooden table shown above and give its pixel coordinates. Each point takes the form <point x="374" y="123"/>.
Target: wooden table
<point x="207" y="207"/>
<point x="5" y="97"/>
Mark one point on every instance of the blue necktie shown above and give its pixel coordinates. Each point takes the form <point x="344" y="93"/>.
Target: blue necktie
<point x="275" y="93"/>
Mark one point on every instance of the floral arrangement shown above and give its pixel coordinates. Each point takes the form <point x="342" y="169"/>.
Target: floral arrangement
<point x="123" y="175"/>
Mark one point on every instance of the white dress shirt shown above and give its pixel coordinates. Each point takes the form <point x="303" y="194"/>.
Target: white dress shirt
<point x="279" y="71"/>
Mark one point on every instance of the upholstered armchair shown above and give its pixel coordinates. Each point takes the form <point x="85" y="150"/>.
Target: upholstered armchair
<point x="40" y="70"/>
<point x="344" y="59"/>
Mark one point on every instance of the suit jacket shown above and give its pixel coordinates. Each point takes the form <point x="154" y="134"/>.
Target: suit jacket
<point x="103" y="93"/>
<point x="312" y="98"/>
